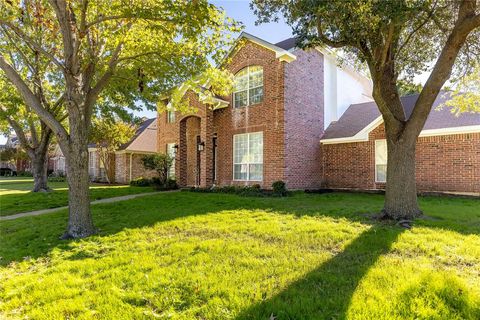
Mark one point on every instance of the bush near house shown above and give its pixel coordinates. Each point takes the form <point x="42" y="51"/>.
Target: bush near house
<point x="169" y="184"/>
<point x="278" y="190"/>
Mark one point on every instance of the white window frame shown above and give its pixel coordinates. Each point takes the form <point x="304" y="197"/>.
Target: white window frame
<point x="92" y="158"/>
<point x="247" y="163"/>
<point x="377" y="142"/>
<point x="171" y="171"/>
<point x="248" y="88"/>
<point x="170" y="116"/>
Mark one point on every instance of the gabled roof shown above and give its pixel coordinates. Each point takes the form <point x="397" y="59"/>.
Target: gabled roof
<point x="280" y="53"/>
<point x="359" y="119"/>
<point x="145" y="138"/>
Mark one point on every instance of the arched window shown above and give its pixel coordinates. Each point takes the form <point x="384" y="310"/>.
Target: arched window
<point x="248" y="88"/>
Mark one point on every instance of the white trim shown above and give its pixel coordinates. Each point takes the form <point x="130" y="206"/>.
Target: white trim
<point x="381" y="164"/>
<point x="281" y="54"/>
<point x="449" y="131"/>
<point x="247" y="68"/>
<point x="248" y="163"/>
<point x="362" y="135"/>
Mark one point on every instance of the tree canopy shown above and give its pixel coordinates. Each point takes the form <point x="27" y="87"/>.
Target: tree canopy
<point x="396" y="39"/>
<point x="104" y="56"/>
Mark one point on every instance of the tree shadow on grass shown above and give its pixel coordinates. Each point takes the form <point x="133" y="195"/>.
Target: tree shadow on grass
<point x="326" y="292"/>
<point x="34" y="237"/>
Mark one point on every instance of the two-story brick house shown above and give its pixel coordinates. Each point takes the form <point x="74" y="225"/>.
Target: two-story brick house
<point x="270" y="127"/>
<point x="296" y="116"/>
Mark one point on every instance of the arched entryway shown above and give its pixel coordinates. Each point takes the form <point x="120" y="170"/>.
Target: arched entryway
<point x="190" y="152"/>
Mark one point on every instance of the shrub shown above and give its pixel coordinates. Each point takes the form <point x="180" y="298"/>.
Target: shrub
<point x="56" y="179"/>
<point x="170" y="184"/>
<point x="24" y="174"/>
<point x="159" y="162"/>
<point x="279" y="188"/>
<point x="141" y="182"/>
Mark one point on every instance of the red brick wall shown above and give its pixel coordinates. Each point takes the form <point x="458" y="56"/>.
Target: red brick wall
<point x="122" y="168"/>
<point x="443" y="163"/>
<point x="267" y="116"/>
<point x="304" y="112"/>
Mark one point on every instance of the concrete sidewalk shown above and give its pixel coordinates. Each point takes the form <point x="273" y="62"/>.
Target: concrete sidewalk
<point x="107" y="200"/>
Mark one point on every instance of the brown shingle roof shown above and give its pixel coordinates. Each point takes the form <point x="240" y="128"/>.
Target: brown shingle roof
<point x="145" y="138"/>
<point x="358" y="116"/>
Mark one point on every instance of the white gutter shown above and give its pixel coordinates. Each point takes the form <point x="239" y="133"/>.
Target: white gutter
<point x="362" y="136"/>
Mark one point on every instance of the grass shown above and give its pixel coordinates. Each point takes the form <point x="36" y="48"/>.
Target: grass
<point x="216" y="256"/>
<point x="15" y="195"/>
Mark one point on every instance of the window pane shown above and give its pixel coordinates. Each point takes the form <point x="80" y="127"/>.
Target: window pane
<point x="380" y="152"/>
<point x="256" y="172"/>
<point x="256" y="148"/>
<point x="170" y="116"/>
<point x="381" y="173"/>
<point x="256" y="95"/>
<point x="171" y="153"/>
<point x="241" y="80"/>
<point x="240" y="148"/>
<point x="255" y="77"/>
<point x="240" y="99"/>
<point x="240" y="171"/>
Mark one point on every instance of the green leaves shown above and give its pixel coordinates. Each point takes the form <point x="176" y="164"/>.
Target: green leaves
<point x="466" y="96"/>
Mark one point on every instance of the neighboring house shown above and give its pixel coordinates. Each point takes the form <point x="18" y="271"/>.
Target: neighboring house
<point x="354" y="149"/>
<point x="269" y="128"/>
<point x="58" y="159"/>
<point x="127" y="163"/>
<point x="285" y="101"/>
<point x="128" y="159"/>
<point x="18" y="165"/>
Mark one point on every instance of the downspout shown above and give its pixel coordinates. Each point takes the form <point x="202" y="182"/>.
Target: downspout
<point x="131" y="155"/>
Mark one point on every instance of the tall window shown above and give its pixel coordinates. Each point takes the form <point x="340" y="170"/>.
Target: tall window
<point x="248" y="88"/>
<point x="170" y="116"/>
<point x="381" y="160"/>
<point x="171" y="153"/>
<point x="92" y="158"/>
<point x="248" y="156"/>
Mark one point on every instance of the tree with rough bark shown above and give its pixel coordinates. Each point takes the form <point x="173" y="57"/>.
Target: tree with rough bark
<point x="396" y="39"/>
<point x="34" y="135"/>
<point x="108" y="135"/>
<point x="107" y="54"/>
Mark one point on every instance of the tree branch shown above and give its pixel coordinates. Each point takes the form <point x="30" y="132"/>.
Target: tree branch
<point x="32" y="43"/>
<point x="18" y="130"/>
<point x="31" y="100"/>
<point x="443" y="67"/>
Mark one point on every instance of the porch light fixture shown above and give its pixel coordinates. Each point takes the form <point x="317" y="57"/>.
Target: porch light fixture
<point x="175" y="148"/>
<point x="200" y="146"/>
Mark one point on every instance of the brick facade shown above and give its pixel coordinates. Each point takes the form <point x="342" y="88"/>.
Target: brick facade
<point x="122" y="168"/>
<point x="304" y="112"/>
<point x="443" y="163"/>
<point x="267" y="116"/>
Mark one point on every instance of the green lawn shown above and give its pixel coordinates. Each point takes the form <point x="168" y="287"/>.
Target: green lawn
<point x="215" y="256"/>
<point x="15" y="195"/>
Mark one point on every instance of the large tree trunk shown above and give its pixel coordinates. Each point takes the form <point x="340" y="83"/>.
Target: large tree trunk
<point x="401" y="192"/>
<point x="80" y="223"/>
<point x="39" y="171"/>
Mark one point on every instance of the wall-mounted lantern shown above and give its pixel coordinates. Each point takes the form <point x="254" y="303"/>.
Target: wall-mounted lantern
<point x="175" y="148"/>
<point x="201" y="146"/>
